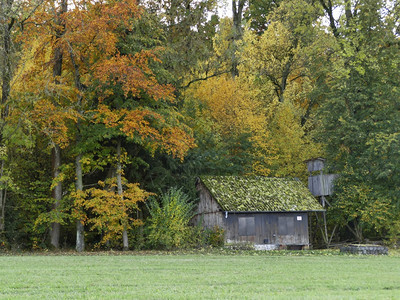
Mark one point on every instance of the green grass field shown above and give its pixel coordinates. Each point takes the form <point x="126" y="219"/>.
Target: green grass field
<point x="200" y="276"/>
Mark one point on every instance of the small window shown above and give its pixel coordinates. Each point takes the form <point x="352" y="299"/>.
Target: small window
<point x="285" y="225"/>
<point x="247" y="226"/>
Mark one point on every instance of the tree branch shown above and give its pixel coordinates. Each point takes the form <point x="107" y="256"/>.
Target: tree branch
<point x="203" y="79"/>
<point x="329" y="10"/>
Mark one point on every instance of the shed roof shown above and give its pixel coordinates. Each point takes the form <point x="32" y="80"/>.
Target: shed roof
<point x="260" y="194"/>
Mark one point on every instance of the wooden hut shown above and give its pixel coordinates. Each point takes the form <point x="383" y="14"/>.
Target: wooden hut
<point x="269" y="212"/>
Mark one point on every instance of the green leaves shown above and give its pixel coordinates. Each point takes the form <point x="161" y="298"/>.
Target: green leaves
<point x="168" y="222"/>
<point x="361" y="118"/>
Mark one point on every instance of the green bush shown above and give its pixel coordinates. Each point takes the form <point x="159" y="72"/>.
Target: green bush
<point x="215" y="236"/>
<point x="168" y="224"/>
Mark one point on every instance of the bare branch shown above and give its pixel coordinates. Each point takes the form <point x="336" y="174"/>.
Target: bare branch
<point x="204" y="78"/>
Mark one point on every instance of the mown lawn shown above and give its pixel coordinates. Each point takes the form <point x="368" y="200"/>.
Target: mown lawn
<point x="200" y="276"/>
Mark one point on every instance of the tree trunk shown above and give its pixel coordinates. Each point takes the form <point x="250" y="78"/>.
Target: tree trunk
<point x="125" y="240"/>
<point x="3" y="194"/>
<point x="80" y="238"/>
<point x="237" y="14"/>
<point x="56" y="151"/>
<point x="57" y="195"/>
<point x="328" y="7"/>
<point x="348" y="13"/>
<point x="6" y="57"/>
<point x="6" y="74"/>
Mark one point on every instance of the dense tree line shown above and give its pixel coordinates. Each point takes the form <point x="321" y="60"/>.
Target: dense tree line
<point x="110" y="109"/>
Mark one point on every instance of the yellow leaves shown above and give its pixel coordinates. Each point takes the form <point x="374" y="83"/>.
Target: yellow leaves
<point x="229" y="105"/>
<point x="292" y="145"/>
<point x="51" y="120"/>
<point x="106" y="211"/>
<point x="269" y="54"/>
<point x="57" y="180"/>
<point x="235" y="108"/>
<point x="222" y="41"/>
<point x="234" y="111"/>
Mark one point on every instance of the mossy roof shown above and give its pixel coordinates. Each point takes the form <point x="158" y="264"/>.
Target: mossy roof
<point x="260" y="194"/>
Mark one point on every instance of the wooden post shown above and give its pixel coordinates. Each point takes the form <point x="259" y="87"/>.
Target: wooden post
<point x="310" y="233"/>
<point x="324" y="216"/>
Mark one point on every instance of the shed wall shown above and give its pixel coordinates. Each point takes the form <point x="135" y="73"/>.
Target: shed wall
<point x="208" y="211"/>
<point x="289" y="228"/>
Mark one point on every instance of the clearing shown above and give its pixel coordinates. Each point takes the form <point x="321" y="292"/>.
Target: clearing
<point x="255" y="275"/>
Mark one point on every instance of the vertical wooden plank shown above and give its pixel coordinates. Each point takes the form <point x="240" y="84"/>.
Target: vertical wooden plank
<point x="259" y="236"/>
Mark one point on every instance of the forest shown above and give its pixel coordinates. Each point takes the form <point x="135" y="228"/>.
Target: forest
<point x="110" y="109"/>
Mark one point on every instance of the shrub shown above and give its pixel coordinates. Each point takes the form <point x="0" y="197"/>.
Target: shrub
<point x="215" y="236"/>
<point x="168" y="224"/>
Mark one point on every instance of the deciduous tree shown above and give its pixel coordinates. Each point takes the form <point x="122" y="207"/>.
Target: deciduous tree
<point x="361" y="116"/>
<point x="90" y="67"/>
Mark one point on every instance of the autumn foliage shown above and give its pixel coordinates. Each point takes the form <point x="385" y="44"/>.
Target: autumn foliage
<point x="107" y="212"/>
<point x="75" y="67"/>
<point x="104" y="103"/>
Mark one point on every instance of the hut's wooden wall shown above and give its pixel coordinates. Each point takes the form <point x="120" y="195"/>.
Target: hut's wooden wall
<point x="267" y="228"/>
<point x="208" y="211"/>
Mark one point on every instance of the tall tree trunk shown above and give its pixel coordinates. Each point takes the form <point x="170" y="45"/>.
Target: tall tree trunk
<point x="6" y="57"/>
<point x="56" y="152"/>
<point x="237" y="13"/>
<point x="348" y="13"/>
<point x="80" y="238"/>
<point x="57" y="195"/>
<point x="125" y="240"/>
<point x="7" y="24"/>
<point x="3" y="195"/>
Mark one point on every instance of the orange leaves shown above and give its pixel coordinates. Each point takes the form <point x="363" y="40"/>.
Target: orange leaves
<point x="134" y="75"/>
<point x="83" y="42"/>
<point x="133" y="123"/>
<point x="176" y="142"/>
<point x="94" y="25"/>
<point x="149" y="128"/>
<point x="87" y="34"/>
<point x="137" y="123"/>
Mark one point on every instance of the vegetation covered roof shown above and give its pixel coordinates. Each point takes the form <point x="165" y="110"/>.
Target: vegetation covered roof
<point x="258" y="193"/>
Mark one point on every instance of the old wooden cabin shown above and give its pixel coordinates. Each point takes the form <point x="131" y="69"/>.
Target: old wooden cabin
<point x="269" y="212"/>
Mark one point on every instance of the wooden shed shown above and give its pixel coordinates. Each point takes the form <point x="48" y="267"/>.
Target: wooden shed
<point x="269" y="212"/>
